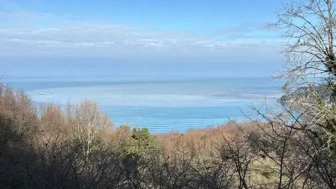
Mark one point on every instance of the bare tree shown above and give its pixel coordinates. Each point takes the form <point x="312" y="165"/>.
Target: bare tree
<point x="308" y="30"/>
<point x="91" y="125"/>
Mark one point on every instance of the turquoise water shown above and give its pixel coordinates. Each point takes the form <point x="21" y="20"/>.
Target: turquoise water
<point x="160" y="105"/>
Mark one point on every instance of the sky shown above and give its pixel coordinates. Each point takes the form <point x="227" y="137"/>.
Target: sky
<point x="138" y="38"/>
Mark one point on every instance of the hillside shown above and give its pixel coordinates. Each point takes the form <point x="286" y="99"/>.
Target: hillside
<point x="306" y="94"/>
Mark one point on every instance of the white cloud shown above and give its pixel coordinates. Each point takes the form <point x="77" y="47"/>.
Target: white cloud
<point x="114" y="40"/>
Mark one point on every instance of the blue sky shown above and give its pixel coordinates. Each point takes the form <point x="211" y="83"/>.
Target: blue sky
<point x="79" y="37"/>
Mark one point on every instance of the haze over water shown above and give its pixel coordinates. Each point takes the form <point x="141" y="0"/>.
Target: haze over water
<point x="162" y="105"/>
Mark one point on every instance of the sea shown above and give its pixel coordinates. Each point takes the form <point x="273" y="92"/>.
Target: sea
<point x="161" y="105"/>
